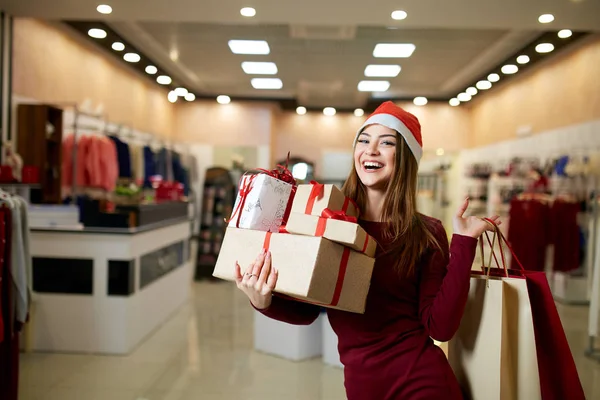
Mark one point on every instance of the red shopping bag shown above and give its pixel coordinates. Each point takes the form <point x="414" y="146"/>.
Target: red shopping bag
<point x="557" y="371"/>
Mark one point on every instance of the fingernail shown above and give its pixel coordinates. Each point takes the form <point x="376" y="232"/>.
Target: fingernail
<point x="269" y="254"/>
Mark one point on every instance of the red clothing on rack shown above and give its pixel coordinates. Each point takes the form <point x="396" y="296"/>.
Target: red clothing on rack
<point x="529" y="232"/>
<point x="388" y="352"/>
<point x="565" y="235"/>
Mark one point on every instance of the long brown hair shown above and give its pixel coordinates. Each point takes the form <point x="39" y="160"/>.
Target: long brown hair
<point x="407" y="229"/>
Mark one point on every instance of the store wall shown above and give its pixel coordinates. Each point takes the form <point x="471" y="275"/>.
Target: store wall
<point x="52" y="65"/>
<point x="563" y="91"/>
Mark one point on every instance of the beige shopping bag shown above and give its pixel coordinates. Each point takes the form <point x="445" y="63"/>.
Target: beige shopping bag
<point x="493" y="354"/>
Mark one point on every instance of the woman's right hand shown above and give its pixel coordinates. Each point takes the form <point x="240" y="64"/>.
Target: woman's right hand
<point x="258" y="282"/>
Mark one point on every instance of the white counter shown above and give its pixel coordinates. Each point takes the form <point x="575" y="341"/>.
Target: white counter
<point x="78" y="307"/>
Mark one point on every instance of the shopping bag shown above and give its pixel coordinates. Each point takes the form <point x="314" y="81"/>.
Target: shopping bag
<point x="493" y="352"/>
<point x="557" y="375"/>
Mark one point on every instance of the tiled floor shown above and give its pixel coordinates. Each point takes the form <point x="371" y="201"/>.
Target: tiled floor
<point x="205" y="352"/>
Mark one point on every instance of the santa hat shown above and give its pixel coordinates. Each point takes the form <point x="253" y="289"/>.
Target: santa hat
<point x="391" y="116"/>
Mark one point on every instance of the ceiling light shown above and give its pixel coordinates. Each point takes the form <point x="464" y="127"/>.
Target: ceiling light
<point x="190" y="97"/>
<point x="329" y="111"/>
<point x="248" y="12"/>
<point x="382" y="71"/>
<point x="181" y="91"/>
<point x="97" y="33"/>
<point x="420" y="101"/>
<point x="509" y="69"/>
<point x="301" y="110"/>
<point x="259" y="68"/>
<point x="565" y="33"/>
<point x="373" y="86"/>
<point x="399" y="15"/>
<point x="164" y="80"/>
<point x="104" y="9"/>
<point x="454" y="102"/>
<point x="267" y="83"/>
<point x="472" y="91"/>
<point x="174" y="54"/>
<point x="172" y="96"/>
<point x="359" y="112"/>
<point x="493" y="77"/>
<point x="249" y="47"/>
<point x="464" y="97"/>
<point x="523" y="59"/>
<point x="393" y="50"/>
<point x="546" y="18"/>
<point x="118" y="46"/>
<point x="132" y="57"/>
<point x="222" y="99"/>
<point x="484" y="85"/>
<point x="439" y="152"/>
<point x="544" y="47"/>
<point x="151" y="69"/>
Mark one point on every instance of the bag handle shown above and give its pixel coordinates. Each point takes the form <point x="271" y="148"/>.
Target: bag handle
<point x="502" y="238"/>
<point x="492" y="252"/>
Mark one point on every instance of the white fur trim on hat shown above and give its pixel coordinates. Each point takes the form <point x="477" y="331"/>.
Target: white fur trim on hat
<point x="394" y="123"/>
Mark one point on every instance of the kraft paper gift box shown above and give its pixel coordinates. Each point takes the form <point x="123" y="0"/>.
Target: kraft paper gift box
<point x="313" y="198"/>
<point x="346" y="233"/>
<point x="311" y="269"/>
<point x="261" y="203"/>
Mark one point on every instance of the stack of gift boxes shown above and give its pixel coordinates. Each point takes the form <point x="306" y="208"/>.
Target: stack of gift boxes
<point x="323" y="256"/>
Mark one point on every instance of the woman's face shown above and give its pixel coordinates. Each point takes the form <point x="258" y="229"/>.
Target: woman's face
<point x="374" y="156"/>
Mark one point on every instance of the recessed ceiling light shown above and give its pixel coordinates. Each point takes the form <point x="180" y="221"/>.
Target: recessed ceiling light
<point x="259" y="68"/>
<point x="104" y="9"/>
<point x="373" y="86"/>
<point x="118" y="46"/>
<point x="399" y="15"/>
<point x="546" y="18"/>
<point x="301" y="110"/>
<point x="454" y="102"/>
<point x="484" y="85"/>
<point x="151" y="69"/>
<point x="172" y="96"/>
<point x="523" y="59"/>
<point x="267" y="83"/>
<point x="510" y="69"/>
<point x="544" y="47"/>
<point x="190" y="97"/>
<point x="174" y="54"/>
<point x="382" y="71"/>
<point x="359" y="112"/>
<point x="439" y="152"/>
<point x="329" y="111"/>
<point x="132" y="57"/>
<point x="472" y="91"/>
<point x="565" y="33"/>
<point x="248" y="12"/>
<point x="181" y="91"/>
<point x="164" y="80"/>
<point x="420" y="101"/>
<point x="97" y="33"/>
<point x="222" y="99"/>
<point x="249" y="47"/>
<point x="464" y="97"/>
<point x="493" y="77"/>
<point x="393" y="50"/>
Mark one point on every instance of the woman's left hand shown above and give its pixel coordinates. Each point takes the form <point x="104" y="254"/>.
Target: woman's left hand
<point x="471" y="226"/>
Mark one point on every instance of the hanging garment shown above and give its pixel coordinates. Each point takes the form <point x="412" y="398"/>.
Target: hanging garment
<point x="137" y="163"/>
<point x="123" y="157"/>
<point x="529" y="232"/>
<point x="161" y="163"/>
<point x="565" y="235"/>
<point x="150" y="169"/>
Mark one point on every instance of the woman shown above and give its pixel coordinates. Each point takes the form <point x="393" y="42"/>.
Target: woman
<point x="419" y="285"/>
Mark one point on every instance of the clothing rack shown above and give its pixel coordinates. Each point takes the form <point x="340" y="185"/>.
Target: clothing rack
<point x="593" y="351"/>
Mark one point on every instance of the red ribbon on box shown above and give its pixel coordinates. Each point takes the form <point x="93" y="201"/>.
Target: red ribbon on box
<point x="339" y="282"/>
<point x="317" y="191"/>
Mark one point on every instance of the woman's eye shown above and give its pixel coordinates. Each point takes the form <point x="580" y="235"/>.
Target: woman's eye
<point x="363" y="141"/>
<point x="388" y="143"/>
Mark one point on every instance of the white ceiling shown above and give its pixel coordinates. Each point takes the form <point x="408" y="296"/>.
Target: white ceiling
<point x="322" y="47"/>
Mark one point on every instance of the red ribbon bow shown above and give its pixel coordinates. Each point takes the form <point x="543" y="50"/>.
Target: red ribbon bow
<point x="339" y="215"/>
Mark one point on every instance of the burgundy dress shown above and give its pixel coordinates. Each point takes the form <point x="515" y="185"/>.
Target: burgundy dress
<point x="387" y="352"/>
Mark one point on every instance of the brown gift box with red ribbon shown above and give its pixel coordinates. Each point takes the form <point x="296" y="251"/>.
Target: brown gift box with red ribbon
<point x="335" y="226"/>
<point x="311" y="269"/>
<point x="315" y="197"/>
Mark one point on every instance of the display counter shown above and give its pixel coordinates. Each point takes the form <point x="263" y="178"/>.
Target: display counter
<point x="103" y="290"/>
